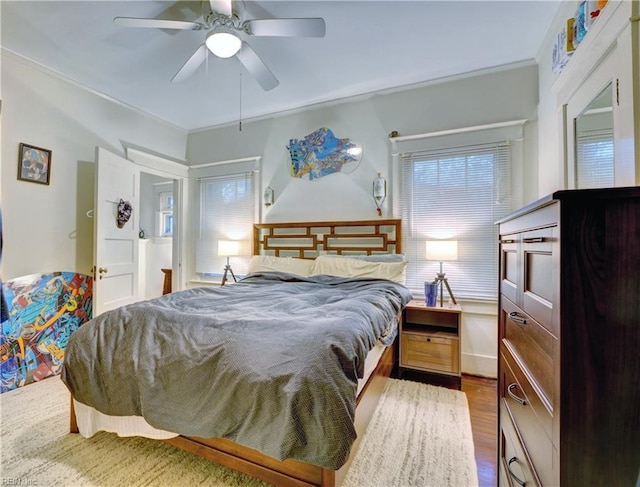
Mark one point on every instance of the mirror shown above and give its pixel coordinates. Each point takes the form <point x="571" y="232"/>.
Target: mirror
<point x="594" y="144"/>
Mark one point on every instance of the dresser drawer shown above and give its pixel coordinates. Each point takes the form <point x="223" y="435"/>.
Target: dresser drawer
<point x="510" y="267"/>
<point x="432" y="352"/>
<point x="514" y="467"/>
<point x="532" y="343"/>
<point x="532" y="418"/>
<point x="540" y="275"/>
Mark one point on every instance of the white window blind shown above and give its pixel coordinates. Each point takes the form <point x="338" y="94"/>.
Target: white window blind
<point x="456" y="194"/>
<point x="594" y="159"/>
<point x="226" y="213"/>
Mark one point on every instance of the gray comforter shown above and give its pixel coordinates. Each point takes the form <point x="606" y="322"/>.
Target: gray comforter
<point x="271" y="362"/>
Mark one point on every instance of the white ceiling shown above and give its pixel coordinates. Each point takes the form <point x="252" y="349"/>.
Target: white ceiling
<point x="369" y="46"/>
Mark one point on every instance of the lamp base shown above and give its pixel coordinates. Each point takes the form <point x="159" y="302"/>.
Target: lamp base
<point x="227" y="269"/>
<point x="441" y="279"/>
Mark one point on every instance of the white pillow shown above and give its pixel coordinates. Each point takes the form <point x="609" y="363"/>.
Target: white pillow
<point x="291" y="265"/>
<point x="347" y="267"/>
<point x="373" y="257"/>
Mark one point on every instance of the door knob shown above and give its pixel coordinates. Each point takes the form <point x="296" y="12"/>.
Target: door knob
<point x="102" y="270"/>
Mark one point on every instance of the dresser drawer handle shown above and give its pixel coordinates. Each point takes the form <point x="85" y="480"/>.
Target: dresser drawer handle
<point x="518" y="319"/>
<point x="510" y="390"/>
<point x="507" y="241"/>
<point x="513" y="475"/>
<point x="533" y="240"/>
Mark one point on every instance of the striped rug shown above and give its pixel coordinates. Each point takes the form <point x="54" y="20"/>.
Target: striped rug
<point x="420" y="435"/>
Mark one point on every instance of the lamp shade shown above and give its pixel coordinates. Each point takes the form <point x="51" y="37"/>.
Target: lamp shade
<point x="228" y="247"/>
<point x="442" y="250"/>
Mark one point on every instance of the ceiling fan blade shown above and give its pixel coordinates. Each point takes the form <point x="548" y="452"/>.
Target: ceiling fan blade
<point x="191" y="64"/>
<point x="221" y="7"/>
<point x="312" y="27"/>
<point x="157" y="24"/>
<point x="256" y="67"/>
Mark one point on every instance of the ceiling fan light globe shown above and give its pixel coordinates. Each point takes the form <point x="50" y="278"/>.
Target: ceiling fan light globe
<point x="223" y="44"/>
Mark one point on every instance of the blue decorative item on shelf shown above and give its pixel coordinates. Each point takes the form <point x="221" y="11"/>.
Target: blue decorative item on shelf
<point x="581" y="22"/>
<point x="430" y="293"/>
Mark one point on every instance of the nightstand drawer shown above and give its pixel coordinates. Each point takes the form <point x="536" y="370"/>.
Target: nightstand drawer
<point x="431" y="352"/>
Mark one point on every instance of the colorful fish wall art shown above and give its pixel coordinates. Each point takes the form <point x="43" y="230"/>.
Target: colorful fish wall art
<point x="43" y="311"/>
<point x="321" y="153"/>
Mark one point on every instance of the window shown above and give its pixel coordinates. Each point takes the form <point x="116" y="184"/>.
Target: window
<point x="226" y="213"/>
<point x="456" y="193"/>
<point x="164" y="224"/>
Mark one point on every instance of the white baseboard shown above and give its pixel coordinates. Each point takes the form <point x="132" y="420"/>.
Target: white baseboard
<point x="480" y="365"/>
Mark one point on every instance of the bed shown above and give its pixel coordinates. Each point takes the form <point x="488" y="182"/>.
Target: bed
<point x="269" y="422"/>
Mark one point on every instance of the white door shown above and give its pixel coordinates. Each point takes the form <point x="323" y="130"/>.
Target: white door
<point x="115" y="255"/>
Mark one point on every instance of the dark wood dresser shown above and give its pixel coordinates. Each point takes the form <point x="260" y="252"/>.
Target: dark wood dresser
<point x="569" y="340"/>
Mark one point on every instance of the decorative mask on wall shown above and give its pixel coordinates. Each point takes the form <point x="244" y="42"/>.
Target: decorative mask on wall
<point x="321" y="153"/>
<point x="124" y="213"/>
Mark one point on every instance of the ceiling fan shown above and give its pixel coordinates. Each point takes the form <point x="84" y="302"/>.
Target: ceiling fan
<point x="223" y="26"/>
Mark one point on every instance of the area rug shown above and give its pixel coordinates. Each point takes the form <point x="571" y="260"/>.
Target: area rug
<point x="419" y="435"/>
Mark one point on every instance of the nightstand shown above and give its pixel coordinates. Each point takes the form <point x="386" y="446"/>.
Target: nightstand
<point x="166" y="285"/>
<point x="430" y="339"/>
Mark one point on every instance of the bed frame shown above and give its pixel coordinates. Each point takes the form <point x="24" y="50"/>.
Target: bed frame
<point x="307" y="241"/>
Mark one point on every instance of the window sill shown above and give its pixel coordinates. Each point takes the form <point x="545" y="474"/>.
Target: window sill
<point x="201" y="282"/>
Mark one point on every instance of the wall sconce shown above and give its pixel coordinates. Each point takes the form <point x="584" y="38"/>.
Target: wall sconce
<point x="442" y="250"/>
<point x="379" y="192"/>
<point x="268" y="196"/>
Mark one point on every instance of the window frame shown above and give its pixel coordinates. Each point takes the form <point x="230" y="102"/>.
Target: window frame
<point x="507" y="132"/>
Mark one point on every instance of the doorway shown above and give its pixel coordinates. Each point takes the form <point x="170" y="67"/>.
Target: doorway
<point x="156" y="233"/>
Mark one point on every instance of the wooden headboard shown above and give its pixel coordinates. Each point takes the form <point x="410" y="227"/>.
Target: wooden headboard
<point x="308" y="240"/>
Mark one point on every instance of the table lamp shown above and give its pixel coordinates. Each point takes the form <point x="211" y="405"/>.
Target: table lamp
<point x="442" y="250"/>
<point x="228" y="248"/>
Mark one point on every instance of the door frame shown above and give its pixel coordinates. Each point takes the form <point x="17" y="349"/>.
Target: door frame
<point x="159" y="165"/>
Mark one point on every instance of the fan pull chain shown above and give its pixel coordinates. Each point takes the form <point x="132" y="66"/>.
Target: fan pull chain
<point x="240" y="124"/>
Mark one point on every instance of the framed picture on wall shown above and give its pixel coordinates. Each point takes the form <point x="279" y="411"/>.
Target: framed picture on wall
<point x="34" y="164"/>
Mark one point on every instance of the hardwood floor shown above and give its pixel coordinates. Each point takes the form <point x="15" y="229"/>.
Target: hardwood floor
<point x="483" y="409"/>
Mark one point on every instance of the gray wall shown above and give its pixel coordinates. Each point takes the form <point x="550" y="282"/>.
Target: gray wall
<point x="493" y="96"/>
